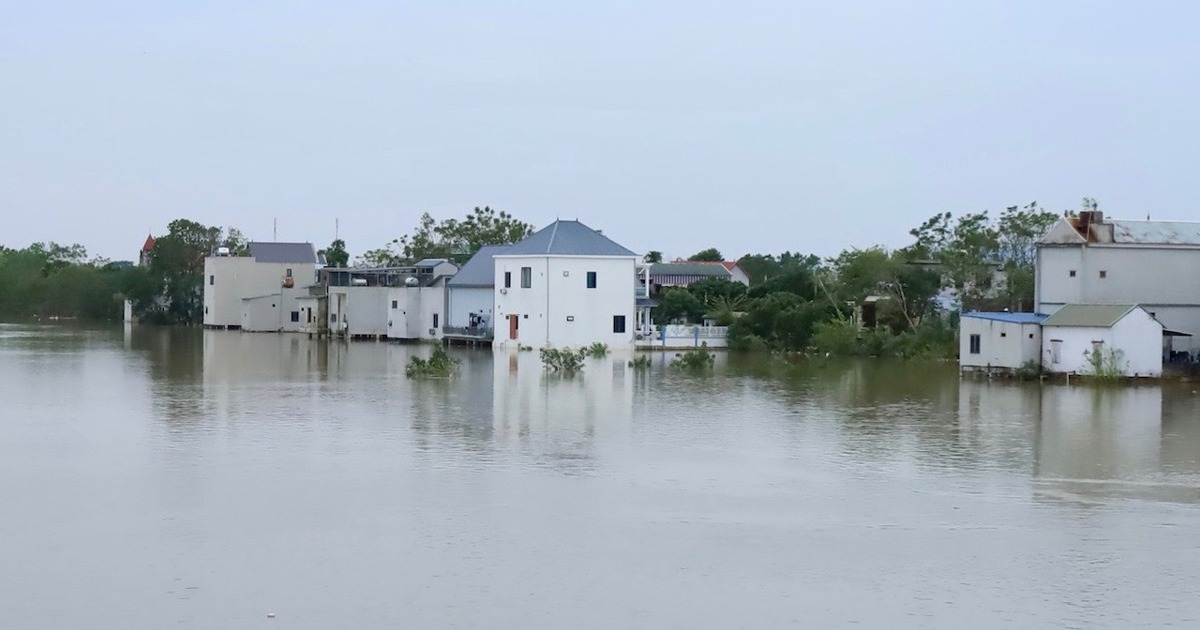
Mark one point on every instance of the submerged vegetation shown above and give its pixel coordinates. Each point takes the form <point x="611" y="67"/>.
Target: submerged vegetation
<point x="1106" y="365"/>
<point x="439" y="365"/>
<point x="698" y="360"/>
<point x="596" y="350"/>
<point x="564" y="361"/>
<point x="640" y="362"/>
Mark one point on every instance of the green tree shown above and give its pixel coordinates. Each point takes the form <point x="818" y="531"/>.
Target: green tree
<point x="454" y="239"/>
<point x="174" y="291"/>
<point x="336" y="254"/>
<point x="678" y="304"/>
<point x="653" y="256"/>
<point x="711" y="254"/>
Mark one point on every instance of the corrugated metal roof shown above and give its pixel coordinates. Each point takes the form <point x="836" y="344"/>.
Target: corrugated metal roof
<point x="480" y="270"/>
<point x="1011" y="318"/>
<point x="1089" y="315"/>
<point x="284" y="252"/>
<point x="689" y="269"/>
<point x="567" y="238"/>
<point x="430" y="262"/>
<point x="1156" y="232"/>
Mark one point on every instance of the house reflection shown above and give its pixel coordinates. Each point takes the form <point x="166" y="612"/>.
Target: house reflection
<point x="557" y="419"/>
<point x="1097" y="442"/>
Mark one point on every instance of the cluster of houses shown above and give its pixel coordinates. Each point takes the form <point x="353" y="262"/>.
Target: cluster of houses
<point x="1112" y="297"/>
<point x="566" y="285"/>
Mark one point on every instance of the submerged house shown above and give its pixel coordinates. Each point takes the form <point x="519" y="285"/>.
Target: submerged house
<point x="470" y="295"/>
<point x="565" y="285"/>
<point x="258" y="291"/>
<point x="388" y="302"/>
<point x="1116" y="339"/>
<point x="999" y="342"/>
<point x="1090" y="259"/>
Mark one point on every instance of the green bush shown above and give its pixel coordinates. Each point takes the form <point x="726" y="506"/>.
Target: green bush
<point x="438" y="365"/>
<point x="596" y="350"/>
<point x="640" y="362"/>
<point x="563" y="361"/>
<point x="698" y="360"/>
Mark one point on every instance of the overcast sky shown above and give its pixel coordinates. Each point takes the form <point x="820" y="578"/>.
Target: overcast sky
<point x="748" y="126"/>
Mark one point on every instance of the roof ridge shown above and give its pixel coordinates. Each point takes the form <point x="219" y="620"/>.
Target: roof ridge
<point x="553" y="233"/>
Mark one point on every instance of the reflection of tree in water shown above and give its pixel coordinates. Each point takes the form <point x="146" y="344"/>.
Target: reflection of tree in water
<point x="174" y="357"/>
<point x="455" y="413"/>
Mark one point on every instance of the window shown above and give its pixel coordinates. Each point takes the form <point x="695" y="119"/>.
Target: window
<point x="507" y="279"/>
<point x="212" y="280"/>
<point x="1031" y="335"/>
<point x="526" y="277"/>
<point x="591" y="279"/>
<point x="435" y="320"/>
<point x="295" y="316"/>
<point x="333" y="317"/>
<point x="618" y="323"/>
<point x="1103" y="274"/>
<point x="1071" y="273"/>
<point x="974" y="344"/>
<point x="395" y="304"/>
<point x="1003" y="334"/>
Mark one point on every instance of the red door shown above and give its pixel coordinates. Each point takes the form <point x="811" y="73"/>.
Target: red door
<point x="512" y="326"/>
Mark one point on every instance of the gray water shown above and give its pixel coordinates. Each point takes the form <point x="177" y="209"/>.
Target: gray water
<point x="154" y="478"/>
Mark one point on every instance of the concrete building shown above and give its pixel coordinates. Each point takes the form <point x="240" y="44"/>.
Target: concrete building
<point x="267" y="271"/>
<point x="1088" y="259"/>
<point x="1000" y="342"/>
<point x="1085" y="338"/>
<point x="566" y="285"/>
<point x="391" y="302"/>
<point x="470" y="295"/>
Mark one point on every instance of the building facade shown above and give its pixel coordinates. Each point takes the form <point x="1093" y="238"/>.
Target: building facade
<point x="267" y="271"/>
<point x="566" y="285"/>
<point x="1088" y="259"/>
<point x="1002" y="342"/>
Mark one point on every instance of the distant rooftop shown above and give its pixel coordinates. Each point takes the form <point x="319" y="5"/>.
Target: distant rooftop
<point x="1011" y="318"/>
<point x="567" y="238"/>
<point x="716" y="270"/>
<point x="300" y="253"/>
<point x="480" y="270"/>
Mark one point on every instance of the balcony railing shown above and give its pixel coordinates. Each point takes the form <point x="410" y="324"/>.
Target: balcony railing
<point x="472" y="332"/>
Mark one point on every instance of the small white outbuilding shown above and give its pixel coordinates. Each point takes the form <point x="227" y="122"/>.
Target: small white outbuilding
<point x="1122" y="339"/>
<point x="1000" y="342"/>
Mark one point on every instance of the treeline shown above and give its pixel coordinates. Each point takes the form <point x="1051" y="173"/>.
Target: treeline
<point x="875" y="301"/>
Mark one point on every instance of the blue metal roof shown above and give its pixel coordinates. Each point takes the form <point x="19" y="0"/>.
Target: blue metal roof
<point x="1011" y="318"/>
<point x="480" y="271"/>
<point x="567" y="238"/>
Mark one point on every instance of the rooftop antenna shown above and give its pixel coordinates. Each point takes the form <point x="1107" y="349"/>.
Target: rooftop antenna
<point x="274" y="229"/>
<point x="335" y="229"/>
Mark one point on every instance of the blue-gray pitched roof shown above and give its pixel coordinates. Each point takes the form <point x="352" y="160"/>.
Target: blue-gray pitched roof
<point x="480" y="271"/>
<point x="284" y="253"/>
<point x="567" y="238"/>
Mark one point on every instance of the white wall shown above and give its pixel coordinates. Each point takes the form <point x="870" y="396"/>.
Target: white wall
<point x="558" y="309"/>
<point x="363" y="310"/>
<point x="1001" y="344"/>
<point x="1134" y="275"/>
<point x="467" y="300"/>
<point x="230" y="279"/>
<point x="411" y="312"/>
<point x="1137" y="337"/>
<point x="261" y="314"/>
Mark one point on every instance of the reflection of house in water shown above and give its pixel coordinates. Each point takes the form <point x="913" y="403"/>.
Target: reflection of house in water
<point x="998" y="421"/>
<point x="1109" y="442"/>
<point x="558" y="417"/>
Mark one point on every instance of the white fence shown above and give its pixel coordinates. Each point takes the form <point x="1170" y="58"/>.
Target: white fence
<point x="684" y="336"/>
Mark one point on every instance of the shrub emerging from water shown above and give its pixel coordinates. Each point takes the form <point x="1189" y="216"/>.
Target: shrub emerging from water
<point x="564" y="361"/>
<point x="438" y="365"/>
<point x="1106" y="365"/>
<point x="596" y="350"/>
<point x="640" y="362"/>
<point x="698" y="360"/>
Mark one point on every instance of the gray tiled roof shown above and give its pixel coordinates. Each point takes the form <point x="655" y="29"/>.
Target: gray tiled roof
<point x="480" y="271"/>
<point x="716" y="270"/>
<point x="568" y="238"/>
<point x="1156" y="232"/>
<point x="284" y="253"/>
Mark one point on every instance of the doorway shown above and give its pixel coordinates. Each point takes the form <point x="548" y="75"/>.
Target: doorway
<point x="513" y="325"/>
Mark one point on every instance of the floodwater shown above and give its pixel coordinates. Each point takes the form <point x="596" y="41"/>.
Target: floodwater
<point x="161" y="478"/>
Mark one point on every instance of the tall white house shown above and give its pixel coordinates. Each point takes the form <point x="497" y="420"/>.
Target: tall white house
<point x="1088" y="259"/>
<point x="566" y="285"/>
<point x="267" y="271"/>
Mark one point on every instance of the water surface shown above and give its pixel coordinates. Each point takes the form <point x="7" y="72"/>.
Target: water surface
<point x="156" y="477"/>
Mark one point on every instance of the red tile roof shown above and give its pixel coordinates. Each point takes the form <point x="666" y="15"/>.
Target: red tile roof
<point x="149" y="246"/>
